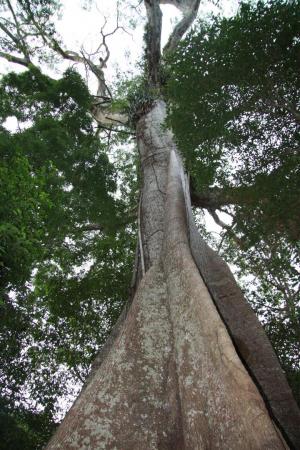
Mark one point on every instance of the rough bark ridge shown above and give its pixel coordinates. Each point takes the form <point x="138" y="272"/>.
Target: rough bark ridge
<point x="172" y="378"/>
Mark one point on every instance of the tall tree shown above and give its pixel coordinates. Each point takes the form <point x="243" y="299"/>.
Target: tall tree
<point x="188" y="353"/>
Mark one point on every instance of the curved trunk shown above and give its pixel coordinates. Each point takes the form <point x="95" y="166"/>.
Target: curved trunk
<point x="171" y="378"/>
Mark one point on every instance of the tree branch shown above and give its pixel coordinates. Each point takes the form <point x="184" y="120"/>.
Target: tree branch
<point x="49" y="40"/>
<point x="217" y="219"/>
<point x="15" y="59"/>
<point x="130" y="217"/>
<point x="77" y="374"/>
<point x="217" y="197"/>
<point x="91" y="227"/>
<point x="113" y="130"/>
<point x="190" y="10"/>
<point x="285" y="105"/>
<point x="228" y="228"/>
<point x="9" y="34"/>
<point x="153" y="41"/>
<point x="100" y="109"/>
<point x="19" y="31"/>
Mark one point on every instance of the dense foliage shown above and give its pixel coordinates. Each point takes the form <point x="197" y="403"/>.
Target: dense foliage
<point x="61" y="246"/>
<point x="234" y="90"/>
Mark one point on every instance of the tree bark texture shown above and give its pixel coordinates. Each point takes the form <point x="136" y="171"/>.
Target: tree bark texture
<point x="172" y="377"/>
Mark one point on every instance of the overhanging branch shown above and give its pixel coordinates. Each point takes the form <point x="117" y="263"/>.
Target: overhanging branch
<point x="215" y="198"/>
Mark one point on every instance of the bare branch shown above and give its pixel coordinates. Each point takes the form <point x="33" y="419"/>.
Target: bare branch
<point x="190" y="10"/>
<point x="101" y="107"/>
<point x="77" y="374"/>
<point x="20" y="34"/>
<point x="105" y="117"/>
<point x="217" y="219"/>
<point x="106" y="35"/>
<point x="49" y="40"/>
<point x="9" y="34"/>
<point x="136" y="6"/>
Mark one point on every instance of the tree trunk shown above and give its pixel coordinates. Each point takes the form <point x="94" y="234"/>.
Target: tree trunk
<point x="171" y="378"/>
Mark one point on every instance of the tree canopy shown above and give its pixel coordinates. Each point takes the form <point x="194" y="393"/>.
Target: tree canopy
<point x="69" y="192"/>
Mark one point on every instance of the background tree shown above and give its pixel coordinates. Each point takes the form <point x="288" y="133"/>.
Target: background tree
<point x="78" y="214"/>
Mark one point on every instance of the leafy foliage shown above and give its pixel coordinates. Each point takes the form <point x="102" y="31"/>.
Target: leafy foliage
<point x="61" y="245"/>
<point x="27" y="26"/>
<point x="57" y="161"/>
<point x="22" y="429"/>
